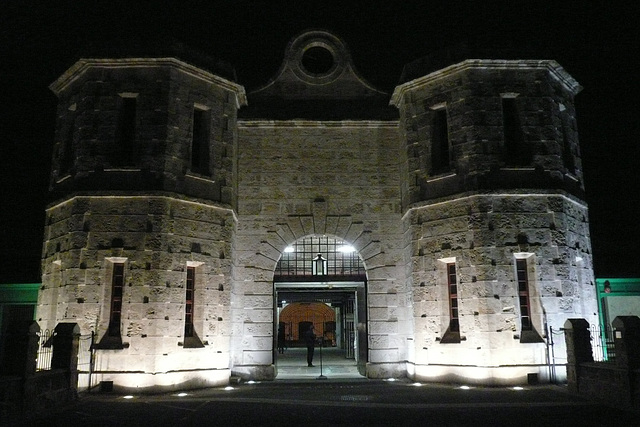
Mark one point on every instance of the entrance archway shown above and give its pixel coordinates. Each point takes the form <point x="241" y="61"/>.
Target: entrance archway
<point x="320" y="280"/>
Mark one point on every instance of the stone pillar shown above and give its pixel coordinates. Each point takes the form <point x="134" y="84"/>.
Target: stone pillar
<point x="66" y="341"/>
<point x="21" y="351"/>
<point x="578" y="340"/>
<point x="627" y="341"/>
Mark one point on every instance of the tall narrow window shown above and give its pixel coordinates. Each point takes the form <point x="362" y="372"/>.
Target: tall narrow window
<point x="67" y="149"/>
<point x="567" y="153"/>
<point x="515" y="150"/>
<point x="452" y="284"/>
<point x="127" y="152"/>
<point x="191" y="339"/>
<point x="528" y="332"/>
<point x="200" y="141"/>
<point x="188" y="307"/>
<point x="115" y="313"/>
<point x="452" y="334"/>
<point x="523" y="294"/>
<point x="440" y="150"/>
<point x="568" y="158"/>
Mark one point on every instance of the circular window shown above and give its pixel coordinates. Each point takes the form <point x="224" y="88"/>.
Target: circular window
<point x="317" y="60"/>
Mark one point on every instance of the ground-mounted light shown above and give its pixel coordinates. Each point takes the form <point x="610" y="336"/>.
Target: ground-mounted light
<point x="128" y="396"/>
<point x="465" y="387"/>
<point x="391" y="379"/>
<point x="417" y="384"/>
<point x="229" y="388"/>
<point x="183" y="394"/>
<point x="518" y="388"/>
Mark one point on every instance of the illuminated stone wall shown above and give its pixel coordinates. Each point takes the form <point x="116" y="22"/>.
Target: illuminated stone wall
<point x="319" y="154"/>
<point x="149" y="211"/>
<point x="484" y="212"/>
<point x="302" y="178"/>
<point x="166" y="92"/>
<point x="316" y="151"/>
<point x="158" y="234"/>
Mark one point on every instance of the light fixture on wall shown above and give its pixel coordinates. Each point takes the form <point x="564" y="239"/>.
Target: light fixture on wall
<point x="319" y="266"/>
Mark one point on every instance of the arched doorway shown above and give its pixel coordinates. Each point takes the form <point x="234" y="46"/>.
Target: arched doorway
<point x="320" y="280"/>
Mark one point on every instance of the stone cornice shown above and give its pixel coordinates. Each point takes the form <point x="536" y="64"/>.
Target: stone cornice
<point x="318" y="123"/>
<point x="554" y="69"/>
<point x="171" y="197"/>
<point x="461" y="197"/>
<point x="82" y="65"/>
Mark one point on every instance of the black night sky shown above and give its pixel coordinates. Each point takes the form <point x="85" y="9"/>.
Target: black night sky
<point x="595" y="42"/>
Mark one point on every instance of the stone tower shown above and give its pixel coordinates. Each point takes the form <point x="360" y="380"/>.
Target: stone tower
<point x="180" y="204"/>
<point x="495" y="216"/>
<point x="139" y="238"/>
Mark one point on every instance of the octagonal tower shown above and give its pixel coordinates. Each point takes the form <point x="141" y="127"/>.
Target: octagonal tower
<point x="495" y="217"/>
<point x="138" y="235"/>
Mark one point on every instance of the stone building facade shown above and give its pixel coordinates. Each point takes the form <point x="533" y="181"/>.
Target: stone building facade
<point x="178" y="197"/>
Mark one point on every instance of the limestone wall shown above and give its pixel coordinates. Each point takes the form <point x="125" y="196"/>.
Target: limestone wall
<point x="483" y="235"/>
<point x="315" y="178"/>
<point x="166" y="92"/>
<point x="472" y="93"/>
<point x="156" y="238"/>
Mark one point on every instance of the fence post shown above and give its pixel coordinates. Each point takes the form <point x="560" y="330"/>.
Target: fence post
<point x="66" y="341"/>
<point x="627" y="340"/>
<point x="626" y="333"/>
<point x="578" y="340"/>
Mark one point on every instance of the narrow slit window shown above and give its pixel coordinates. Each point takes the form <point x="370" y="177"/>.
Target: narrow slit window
<point x="127" y="152"/>
<point x="440" y="149"/>
<point x="523" y="294"/>
<point x="117" y="287"/>
<point x="189" y="301"/>
<point x="515" y="150"/>
<point x="452" y="284"/>
<point x="67" y="154"/>
<point x="567" y="155"/>
<point x="200" y="142"/>
<point x="568" y="158"/>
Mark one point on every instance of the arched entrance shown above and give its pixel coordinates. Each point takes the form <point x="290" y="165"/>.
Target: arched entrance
<point x="320" y="280"/>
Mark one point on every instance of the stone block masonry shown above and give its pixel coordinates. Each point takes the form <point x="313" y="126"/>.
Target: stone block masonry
<point x="175" y="196"/>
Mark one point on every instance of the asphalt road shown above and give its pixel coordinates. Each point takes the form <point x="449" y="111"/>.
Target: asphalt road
<point x="340" y="402"/>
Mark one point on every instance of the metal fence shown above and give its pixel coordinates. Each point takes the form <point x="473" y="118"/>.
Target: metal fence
<point x="602" y="343"/>
<point x="84" y="353"/>
<point x="45" y="350"/>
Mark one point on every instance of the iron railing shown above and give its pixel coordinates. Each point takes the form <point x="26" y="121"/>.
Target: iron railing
<point x="45" y="350"/>
<point x="602" y="343"/>
<point x="84" y="353"/>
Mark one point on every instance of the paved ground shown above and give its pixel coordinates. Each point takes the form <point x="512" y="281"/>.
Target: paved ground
<point x="342" y="401"/>
<point x="330" y="362"/>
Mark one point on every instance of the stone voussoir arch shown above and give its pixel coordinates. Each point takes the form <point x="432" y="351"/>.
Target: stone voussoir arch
<point x="341" y="227"/>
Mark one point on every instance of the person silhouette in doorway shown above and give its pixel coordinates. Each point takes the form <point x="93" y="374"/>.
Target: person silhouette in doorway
<point x="310" y="341"/>
<point x="281" y="338"/>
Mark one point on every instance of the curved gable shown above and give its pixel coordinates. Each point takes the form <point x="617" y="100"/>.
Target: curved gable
<point x="317" y="80"/>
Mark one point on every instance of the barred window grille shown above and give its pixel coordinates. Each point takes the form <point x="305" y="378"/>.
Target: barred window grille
<point x="341" y="260"/>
